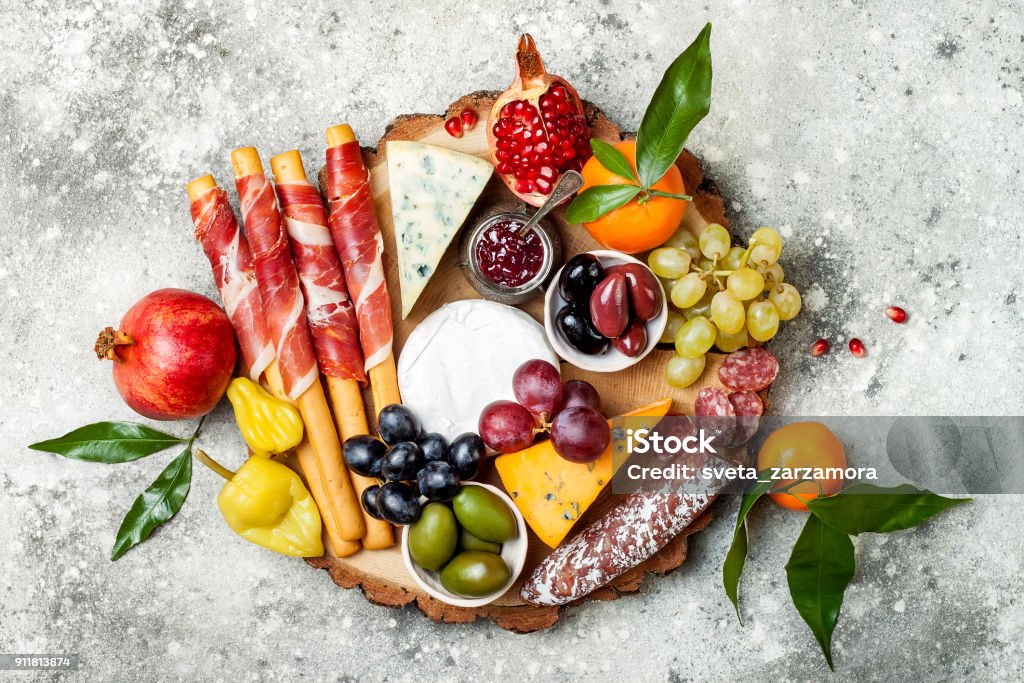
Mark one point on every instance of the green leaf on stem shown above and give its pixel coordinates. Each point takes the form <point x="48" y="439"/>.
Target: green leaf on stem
<point x="864" y="508"/>
<point x="680" y="101"/>
<point x="156" y="505"/>
<point x="820" y="568"/>
<point x="595" y="202"/>
<point x="737" y="555"/>
<point x="613" y="160"/>
<point x="109" y="442"/>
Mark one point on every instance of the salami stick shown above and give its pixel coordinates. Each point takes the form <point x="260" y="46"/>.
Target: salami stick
<point x="286" y="318"/>
<point x="353" y="223"/>
<point x="628" y="534"/>
<point x="330" y="313"/>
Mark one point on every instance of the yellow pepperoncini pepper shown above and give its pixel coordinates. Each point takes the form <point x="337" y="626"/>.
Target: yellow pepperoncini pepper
<point x="266" y="503"/>
<point x="268" y="424"/>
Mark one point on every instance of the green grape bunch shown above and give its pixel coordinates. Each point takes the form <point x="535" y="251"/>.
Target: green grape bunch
<point x="722" y="296"/>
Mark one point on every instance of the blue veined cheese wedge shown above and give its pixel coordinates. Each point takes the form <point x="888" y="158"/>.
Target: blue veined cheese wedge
<point x="432" y="191"/>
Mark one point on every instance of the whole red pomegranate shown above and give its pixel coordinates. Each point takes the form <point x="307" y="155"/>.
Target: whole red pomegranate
<point x="173" y="354"/>
<point x="536" y="129"/>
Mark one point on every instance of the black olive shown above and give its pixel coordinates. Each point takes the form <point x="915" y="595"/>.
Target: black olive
<point x="574" y="324"/>
<point x="579" y="278"/>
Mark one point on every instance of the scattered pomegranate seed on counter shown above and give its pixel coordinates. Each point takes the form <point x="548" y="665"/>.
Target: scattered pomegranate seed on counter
<point x="857" y="348"/>
<point x="896" y="314"/>
<point x="469" y="118"/>
<point x="454" y="127"/>
<point x="819" y="348"/>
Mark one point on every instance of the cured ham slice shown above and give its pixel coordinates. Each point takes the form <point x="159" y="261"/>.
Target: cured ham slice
<point x="331" y="315"/>
<point x="228" y="252"/>
<point x="353" y="223"/>
<point x="278" y="283"/>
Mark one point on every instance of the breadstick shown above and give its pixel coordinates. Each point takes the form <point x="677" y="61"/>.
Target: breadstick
<point x="286" y="318"/>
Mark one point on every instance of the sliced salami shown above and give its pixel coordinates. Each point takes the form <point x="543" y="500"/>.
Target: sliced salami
<point x="748" y="370"/>
<point x="748" y="408"/>
<point x="715" y="415"/>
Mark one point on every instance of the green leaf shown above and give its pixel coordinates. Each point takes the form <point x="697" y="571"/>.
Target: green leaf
<point x="595" y="202"/>
<point x="109" y="442"/>
<point x="819" y="570"/>
<point x="867" y="508"/>
<point x="157" y="504"/>
<point x="737" y="555"/>
<point x="613" y="160"/>
<point x="680" y="101"/>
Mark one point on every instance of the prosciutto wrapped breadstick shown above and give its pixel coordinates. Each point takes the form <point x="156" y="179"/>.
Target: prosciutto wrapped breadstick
<point x="331" y="315"/>
<point x="228" y="252"/>
<point x="231" y="261"/>
<point x="353" y="223"/>
<point x="286" y="317"/>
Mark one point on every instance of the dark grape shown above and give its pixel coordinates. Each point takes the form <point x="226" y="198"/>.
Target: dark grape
<point x="398" y="503"/>
<point x="402" y="461"/>
<point x="467" y="455"/>
<point x="580" y="434"/>
<point x="397" y="423"/>
<point x="579" y="276"/>
<point x="537" y="386"/>
<point x="438" y="481"/>
<point x="369" y="500"/>
<point x="434" y="447"/>
<point x="576" y="392"/>
<point x="506" y="426"/>
<point x="363" y="455"/>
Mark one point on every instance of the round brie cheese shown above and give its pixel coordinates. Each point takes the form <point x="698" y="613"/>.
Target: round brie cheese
<point x="462" y="357"/>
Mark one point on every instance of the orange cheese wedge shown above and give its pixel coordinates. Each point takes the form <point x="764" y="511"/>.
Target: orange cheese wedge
<point x="553" y="493"/>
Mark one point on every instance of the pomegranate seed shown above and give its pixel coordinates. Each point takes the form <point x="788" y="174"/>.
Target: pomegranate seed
<point x="542" y="147"/>
<point x="454" y="127"/>
<point x="524" y="186"/>
<point x="543" y="186"/>
<point x="519" y="107"/>
<point x="469" y="118"/>
<point x="545" y="100"/>
<point x="504" y="168"/>
<point x="819" y="348"/>
<point x="558" y="91"/>
<point x="857" y="348"/>
<point x="896" y="314"/>
<point x="546" y="172"/>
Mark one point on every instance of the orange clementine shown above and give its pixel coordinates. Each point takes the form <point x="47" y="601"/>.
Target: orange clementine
<point x="802" y="445"/>
<point x="645" y="222"/>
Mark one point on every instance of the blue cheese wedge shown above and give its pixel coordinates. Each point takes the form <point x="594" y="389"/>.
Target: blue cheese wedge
<point x="432" y="191"/>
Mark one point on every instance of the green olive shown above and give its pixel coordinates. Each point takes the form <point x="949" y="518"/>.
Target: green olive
<point x="475" y="574"/>
<point x="468" y="541"/>
<point x="484" y="514"/>
<point x="432" y="538"/>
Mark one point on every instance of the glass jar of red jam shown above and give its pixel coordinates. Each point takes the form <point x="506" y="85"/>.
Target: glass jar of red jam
<point x="503" y="265"/>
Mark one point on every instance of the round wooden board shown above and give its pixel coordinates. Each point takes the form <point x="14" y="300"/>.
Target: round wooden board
<point x="381" y="574"/>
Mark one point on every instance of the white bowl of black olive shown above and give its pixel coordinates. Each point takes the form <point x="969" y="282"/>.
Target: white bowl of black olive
<point x="604" y="311"/>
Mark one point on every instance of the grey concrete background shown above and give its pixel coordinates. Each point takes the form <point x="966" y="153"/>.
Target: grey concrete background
<point x="883" y="138"/>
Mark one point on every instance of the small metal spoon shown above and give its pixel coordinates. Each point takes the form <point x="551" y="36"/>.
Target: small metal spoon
<point x="567" y="185"/>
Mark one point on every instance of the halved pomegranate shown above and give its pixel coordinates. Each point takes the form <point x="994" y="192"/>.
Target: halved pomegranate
<point x="536" y="129"/>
